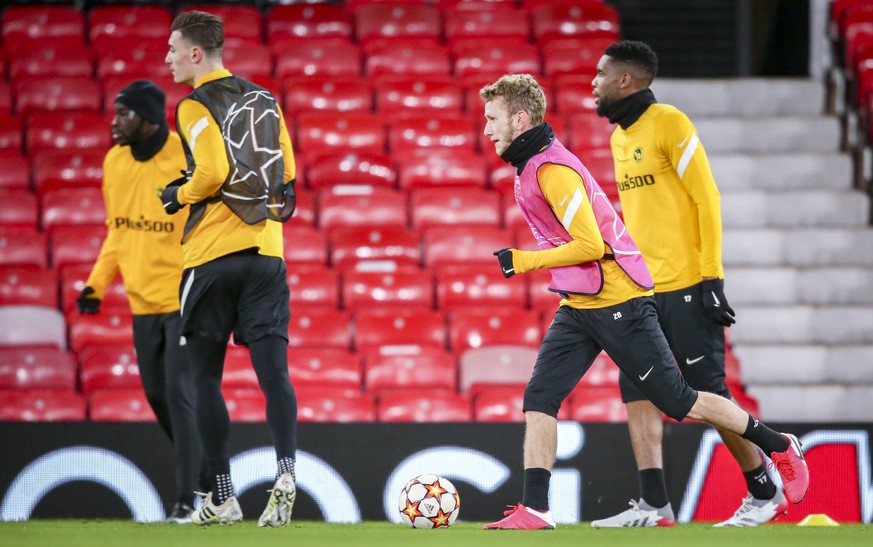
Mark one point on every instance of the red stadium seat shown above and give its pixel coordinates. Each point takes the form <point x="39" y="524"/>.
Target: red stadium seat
<point x="141" y="60"/>
<point x="73" y="278"/>
<point x="119" y="405"/>
<point x="432" y="130"/>
<point x="516" y="59"/>
<point x="37" y="368"/>
<point x="445" y="6"/>
<point x="72" y="207"/>
<point x="602" y="373"/>
<point x="512" y="217"/>
<point x="313" y="286"/>
<point x="499" y="404"/>
<point x="375" y="249"/>
<point x="588" y="131"/>
<point x="418" y="94"/>
<point x="493" y="21"/>
<point x="357" y="206"/>
<point x="76" y="245"/>
<point x="238" y="371"/>
<point x="67" y="169"/>
<point x="325" y="367"/>
<point x="351" y="167"/>
<point x="41" y="22"/>
<point x="15" y="174"/>
<point x="423" y="406"/>
<point x="307" y="59"/>
<point x="319" y="328"/>
<point x="19" y="208"/>
<point x="450" y="245"/>
<point x="502" y="180"/>
<point x="482" y="327"/>
<point x="394" y="59"/>
<point x="405" y="289"/>
<point x="466" y="285"/>
<point x="415" y="21"/>
<point x="245" y="405"/>
<point x="307" y="21"/>
<point x="404" y="329"/>
<point x="58" y="94"/>
<point x="555" y="22"/>
<point x="320" y="132"/>
<point x="41" y="406"/>
<point x="541" y="298"/>
<point x="66" y="130"/>
<point x="573" y="94"/>
<point x="25" y="286"/>
<point x="10" y="137"/>
<point x="106" y="327"/>
<point x="174" y="92"/>
<point x="597" y="404"/>
<point x="471" y="207"/>
<point x="134" y="23"/>
<point x="330" y="404"/>
<point x="109" y="366"/>
<point x="241" y="22"/>
<point x="332" y="93"/>
<point x="571" y="59"/>
<point x="443" y="168"/>
<point x="248" y="60"/>
<point x="48" y="60"/>
<point x="304" y="245"/>
<point x="600" y="164"/>
<point x="304" y="214"/>
<point x="496" y="365"/>
<point x="23" y="247"/>
<point x="7" y="105"/>
<point x="32" y="326"/>
<point x="429" y="368"/>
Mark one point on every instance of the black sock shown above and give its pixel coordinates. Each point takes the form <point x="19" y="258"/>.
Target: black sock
<point x="759" y="483"/>
<point x="767" y="440"/>
<point x="223" y="489"/>
<point x="652" y="488"/>
<point x="536" y="488"/>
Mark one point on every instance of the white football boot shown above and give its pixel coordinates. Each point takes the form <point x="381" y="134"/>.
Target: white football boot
<point x="640" y="515"/>
<point x="228" y="512"/>
<point x="754" y="512"/>
<point x="281" y="502"/>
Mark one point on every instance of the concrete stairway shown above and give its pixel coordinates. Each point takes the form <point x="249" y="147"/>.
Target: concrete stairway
<point x="798" y="250"/>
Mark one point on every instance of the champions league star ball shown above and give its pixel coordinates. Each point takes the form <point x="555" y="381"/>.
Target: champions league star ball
<point x="429" y="501"/>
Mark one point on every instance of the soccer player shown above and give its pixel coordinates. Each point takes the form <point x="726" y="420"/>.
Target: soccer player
<point x="606" y="304"/>
<point x="671" y="207"/>
<point x="143" y="244"/>
<point x="239" y="156"/>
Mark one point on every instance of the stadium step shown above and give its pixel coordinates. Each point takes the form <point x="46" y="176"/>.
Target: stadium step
<point x="787" y="171"/>
<point x="786" y="285"/>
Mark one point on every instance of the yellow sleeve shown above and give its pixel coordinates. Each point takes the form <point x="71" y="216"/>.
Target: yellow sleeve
<point x="106" y="266"/>
<point x="688" y="157"/>
<point x="204" y="139"/>
<point x="565" y="192"/>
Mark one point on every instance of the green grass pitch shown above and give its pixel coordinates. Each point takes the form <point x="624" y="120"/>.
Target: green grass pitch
<point x="97" y="533"/>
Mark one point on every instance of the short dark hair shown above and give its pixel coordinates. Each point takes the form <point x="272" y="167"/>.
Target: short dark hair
<point x="201" y="29"/>
<point x="637" y="54"/>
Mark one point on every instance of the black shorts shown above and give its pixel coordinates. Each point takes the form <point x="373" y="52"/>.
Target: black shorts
<point x="696" y="340"/>
<point x="630" y="334"/>
<point x="244" y="293"/>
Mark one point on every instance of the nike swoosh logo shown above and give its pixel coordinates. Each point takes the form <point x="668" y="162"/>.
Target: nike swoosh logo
<point x="646" y="375"/>
<point x="681" y="144"/>
<point x="563" y="201"/>
<point x="692" y="361"/>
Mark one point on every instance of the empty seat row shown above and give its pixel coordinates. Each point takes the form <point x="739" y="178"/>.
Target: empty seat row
<point x="315" y="405"/>
<point x="108" y="25"/>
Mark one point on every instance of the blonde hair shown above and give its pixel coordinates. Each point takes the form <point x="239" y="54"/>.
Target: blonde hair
<point x="520" y="92"/>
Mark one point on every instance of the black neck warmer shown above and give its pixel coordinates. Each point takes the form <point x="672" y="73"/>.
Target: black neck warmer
<point x="628" y="110"/>
<point x="146" y="150"/>
<point x="527" y="145"/>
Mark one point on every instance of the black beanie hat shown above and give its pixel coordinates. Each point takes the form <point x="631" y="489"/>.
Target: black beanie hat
<point x="146" y="99"/>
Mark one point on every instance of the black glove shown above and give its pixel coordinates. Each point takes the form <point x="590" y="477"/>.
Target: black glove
<point x="504" y="256"/>
<point x="168" y="195"/>
<point x="715" y="303"/>
<point x="86" y="303"/>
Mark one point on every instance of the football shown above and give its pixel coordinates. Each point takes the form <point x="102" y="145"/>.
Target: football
<point x="429" y="501"/>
